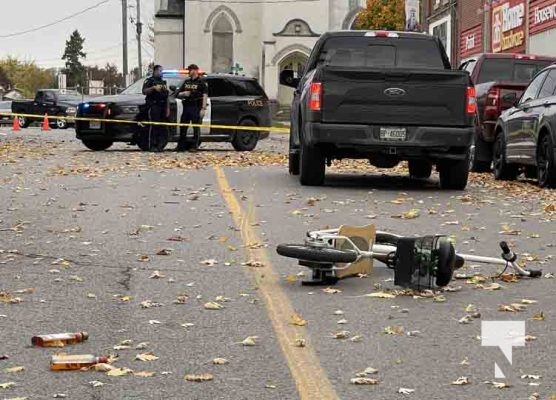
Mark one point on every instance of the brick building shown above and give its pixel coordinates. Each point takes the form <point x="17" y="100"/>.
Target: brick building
<point x="472" y="39"/>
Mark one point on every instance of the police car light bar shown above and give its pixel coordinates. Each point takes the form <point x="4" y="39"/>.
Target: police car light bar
<point x="382" y="34"/>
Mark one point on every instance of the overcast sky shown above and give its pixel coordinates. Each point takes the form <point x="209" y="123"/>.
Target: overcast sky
<point x="101" y="27"/>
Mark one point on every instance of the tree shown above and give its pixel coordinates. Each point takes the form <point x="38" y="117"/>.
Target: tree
<point x="73" y="54"/>
<point x="382" y="14"/>
<point x="4" y="79"/>
<point x="26" y="76"/>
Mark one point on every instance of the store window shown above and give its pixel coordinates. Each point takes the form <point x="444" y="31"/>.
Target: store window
<point x="441" y="29"/>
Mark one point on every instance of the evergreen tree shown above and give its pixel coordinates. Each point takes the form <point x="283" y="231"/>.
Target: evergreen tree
<point x="73" y="54"/>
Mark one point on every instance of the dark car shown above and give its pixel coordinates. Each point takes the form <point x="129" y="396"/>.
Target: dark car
<point x="495" y="76"/>
<point x="382" y="96"/>
<point x="525" y="134"/>
<point x="232" y="101"/>
<point x="54" y="102"/>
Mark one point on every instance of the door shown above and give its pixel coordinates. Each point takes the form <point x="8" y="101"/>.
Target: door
<point x="540" y="109"/>
<point x="521" y="118"/>
<point x="40" y="105"/>
<point x="223" y="102"/>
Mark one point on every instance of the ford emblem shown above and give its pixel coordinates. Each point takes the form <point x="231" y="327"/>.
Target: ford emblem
<point x="394" y="92"/>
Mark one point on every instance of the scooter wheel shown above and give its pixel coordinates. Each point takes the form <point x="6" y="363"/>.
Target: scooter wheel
<point x="302" y="252"/>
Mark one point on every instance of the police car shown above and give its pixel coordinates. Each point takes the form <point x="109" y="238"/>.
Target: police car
<point x="233" y="101"/>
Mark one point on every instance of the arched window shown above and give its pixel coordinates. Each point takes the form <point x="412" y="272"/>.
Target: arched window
<point x="222" y="44"/>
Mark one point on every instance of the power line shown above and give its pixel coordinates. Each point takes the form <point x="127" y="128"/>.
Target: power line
<point x="55" y="22"/>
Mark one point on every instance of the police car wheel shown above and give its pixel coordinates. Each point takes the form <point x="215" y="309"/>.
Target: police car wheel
<point x="244" y="140"/>
<point x="97" y="145"/>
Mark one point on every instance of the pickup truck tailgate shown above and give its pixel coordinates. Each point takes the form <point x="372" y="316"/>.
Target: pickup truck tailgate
<point x="394" y="97"/>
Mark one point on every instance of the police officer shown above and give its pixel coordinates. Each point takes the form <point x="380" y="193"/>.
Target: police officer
<point x="193" y="93"/>
<point x="155" y="137"/>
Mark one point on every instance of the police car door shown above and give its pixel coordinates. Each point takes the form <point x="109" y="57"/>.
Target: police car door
<point x="223" y="108"/>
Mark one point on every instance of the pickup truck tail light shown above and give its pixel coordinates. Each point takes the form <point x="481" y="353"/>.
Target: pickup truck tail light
<point x="315" y="96"/>
<point x="493" y="105"/>
<point x="471" y="101"/>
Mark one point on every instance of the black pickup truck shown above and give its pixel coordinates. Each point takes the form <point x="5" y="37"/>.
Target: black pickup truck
<point x="383" y="96"/>
<point x="54" y="102"/>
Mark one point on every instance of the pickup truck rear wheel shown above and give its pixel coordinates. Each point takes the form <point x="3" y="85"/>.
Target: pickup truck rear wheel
<point x="419" y="169"/>
<point x="97" y="145"/>
<point x="454" y="174"/>
<point x="502" y="170"/>
<point x="312" y="166"/>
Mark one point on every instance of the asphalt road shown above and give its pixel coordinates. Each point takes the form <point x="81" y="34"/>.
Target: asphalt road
<point x="79" y="237"/>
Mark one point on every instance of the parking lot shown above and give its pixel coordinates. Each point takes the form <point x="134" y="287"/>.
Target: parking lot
<point x="175" y="252"/>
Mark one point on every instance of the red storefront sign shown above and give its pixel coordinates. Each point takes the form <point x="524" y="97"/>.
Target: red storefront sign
<point x="542" y="16"/>
<point x="471" y="41"/>
<point x="508" y="26"/>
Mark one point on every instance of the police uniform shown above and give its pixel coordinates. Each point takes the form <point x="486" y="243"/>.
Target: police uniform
<point x="192" y="106"/>
<point x="155" y="137"/>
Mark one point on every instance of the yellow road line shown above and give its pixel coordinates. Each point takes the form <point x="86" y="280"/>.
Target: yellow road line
<point x="128" y="121"/>
<point x="311" y="380"/>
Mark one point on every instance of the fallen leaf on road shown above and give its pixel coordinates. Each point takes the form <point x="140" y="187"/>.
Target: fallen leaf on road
<point x="356" y="338"/>
<point x="393" y="330"/>
<point x="199" y="378"/>
<point x="509" y="278"/>
<point x="144" y="258"/>
<point x="91" y="296"/>
<point x="338" y="312"/>
<point x="465" y="320"/>
<point x="156" y="275"/>
<point x="476" y="279"/>
<point x="149" y="304"/>
<point x="213" y="306"/>
<point x="300" y="342"/>
<point x="121" y="347"/>
<point x="381" y="295"/>
<point x="58" y="396"/>
<point x="103" y="367"/>
<point x="498" y="385"/>
<point x="268" y="386"/>
<point x="253" y="264"/>
<point x="363" y="381"/>
<point x="7" y="385"/>
<point x="154" y="322"/>
<point x="342" y="322"/>
<point x="4" y="357"/>
<point x="249" y="341"/>
<point x="164" y="252"/>
<point x="465" y="362"/>
<point x="177" y="239"/>
<point x="14" y="369"/>
<point x="125" y="298"/>
<point x="550" y="208"/>
<point x="181" y="299"/>
<point x="529" y="338"/>
<point x="406" y="391"/>
<point x="493" y="286"/>
<point x="142" y="345"/>
<point x="296" y="319"/>
<point x="220" y="361"/>
<point x="539" y="317"/>
<point x="534" y="377"/>
<point x="411" y="214"/>
<point x="527" y="301"/>
<point x="146" y="357"/>
<point x="368" y="371"/>
<point x="341" y="335"/>
<point x="331" y="291"/>
<point x="511" y="308"/>
<point x="439" y="299"/>
<point x="211" y="262"/>
<point x="461" y="381"/>
<point x="291" y="278"/>
<point x="471" y="308"/>
<point x="119" y="372"/>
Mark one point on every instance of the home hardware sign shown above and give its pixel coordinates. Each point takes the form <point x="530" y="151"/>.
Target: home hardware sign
<point x="508" y="26"/>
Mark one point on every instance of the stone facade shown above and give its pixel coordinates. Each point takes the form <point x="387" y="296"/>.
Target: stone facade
<point x="256" y="38"/>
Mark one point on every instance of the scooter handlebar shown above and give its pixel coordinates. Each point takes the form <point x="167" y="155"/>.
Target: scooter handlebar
<point x="505" y="248"/>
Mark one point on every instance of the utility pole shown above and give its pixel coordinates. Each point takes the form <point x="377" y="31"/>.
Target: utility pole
<point x="124" y="39"/>
<point x="139" y="26"/>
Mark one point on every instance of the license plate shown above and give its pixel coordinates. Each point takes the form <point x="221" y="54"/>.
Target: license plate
<point x="94" y="125"/>
<point x="393" y="134"/>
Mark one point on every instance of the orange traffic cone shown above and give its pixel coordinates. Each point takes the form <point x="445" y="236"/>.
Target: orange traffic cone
<point x="45" y="124"/>
<point x="15" y="126"/>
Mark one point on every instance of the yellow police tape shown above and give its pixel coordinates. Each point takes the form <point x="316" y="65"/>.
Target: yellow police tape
<point x="125" y="121"/>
